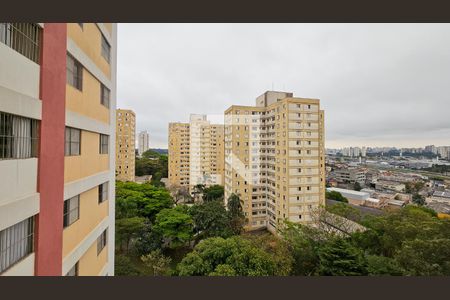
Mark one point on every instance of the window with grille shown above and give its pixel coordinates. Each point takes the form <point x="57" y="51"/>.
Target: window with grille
<point x="18" y="137"/>
<point x="102" y="241"/>
<point x="104" y="143"/>
<point x="72" y="141"/>
<point x="104" y="95"/>
<point x="106" y="49"/>
<point x="24" y="38"/>
<point x="16" y="242"/>
<point x="102" y="192"/>
<point x="71" y="211"/>
<point x="74" y="73"/>
<point x="73" y="271"/>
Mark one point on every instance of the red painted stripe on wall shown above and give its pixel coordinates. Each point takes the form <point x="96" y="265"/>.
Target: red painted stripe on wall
<point x="49" y="222"/>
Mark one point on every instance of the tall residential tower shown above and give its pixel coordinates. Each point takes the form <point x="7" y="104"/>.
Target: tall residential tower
<point x="57" y="136"/>
<point x="143" y="142"/>
<point x="196" y="153"/>
<point x="125" y="145"/>
<point x="274" y="158"/>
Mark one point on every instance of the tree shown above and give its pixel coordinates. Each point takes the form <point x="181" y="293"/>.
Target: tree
<point x="278" y="250"/>
<point x="303" y="243"/>
<point x="126" y="230"/>
<point x="214" y="192"/>
<point x="380" y="265"/>
<point x="175" y="225"/>
<point x="425" y="257"/>
<point x="143" y="200"/>
<point x="340" y="258"/>
<point x="344" y="210"/>
<point x="157" y="263"/>
<point x="235" y="213"/>
<point x="210" y="219"/>
<point x="357" y="186"/>
<point x="333" y="195"/>
<point x="124" y="267"/>
<point x="231" y="256"/>
<point x="418" y="199"/>
<point x="180" y="194"/>
<point x="147" y="240"/>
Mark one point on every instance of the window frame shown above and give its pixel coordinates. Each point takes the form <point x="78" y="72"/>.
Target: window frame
<point x="102" y="241"/>
<point x="16" y="238"/>
<point x="103" y="192"/>
<point x="74" y="72"/>
<point x="103" y="147"/>
<point x="69" y="142"/>
<point x="103" y="89"/>
<point x="105" y="51"/>
<point x="68" y="210"/>
<point x="74" y="269"/>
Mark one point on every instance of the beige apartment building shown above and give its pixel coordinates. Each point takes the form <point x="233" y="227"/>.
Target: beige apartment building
<point x="196" y="153"/>
<point x="125" y="144"/>
<point x="274" y="158"/>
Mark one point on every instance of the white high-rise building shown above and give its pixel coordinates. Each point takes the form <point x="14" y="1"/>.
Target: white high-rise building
<point x="143" y="142"/>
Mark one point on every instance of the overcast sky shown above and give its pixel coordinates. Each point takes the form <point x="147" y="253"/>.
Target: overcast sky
<point x="379" y="84"/>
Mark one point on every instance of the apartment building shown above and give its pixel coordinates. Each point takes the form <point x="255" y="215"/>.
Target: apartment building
<point x="196" y="153"/>
<point x="350" y="175"/>
<point x="125" y="145"/>
<point x="143" y="141"/>
<point x="274" y="158"/>
<point x="57" y="116"/>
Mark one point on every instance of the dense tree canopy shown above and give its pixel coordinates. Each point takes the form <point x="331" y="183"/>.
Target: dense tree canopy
<point x="143" y="200"/>
<point x="175" y="225"/>
<point x="211" y="219"/>
<point x="231" y="256"/>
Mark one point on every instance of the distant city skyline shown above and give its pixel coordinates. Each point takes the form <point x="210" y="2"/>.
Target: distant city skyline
<point x="379" y="84"/>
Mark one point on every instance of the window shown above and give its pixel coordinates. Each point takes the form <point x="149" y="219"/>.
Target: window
<point x="102" y="192"/>
<point x="72" y="141"/>
<point x="24" y="38"/>
<point x="102" y="241"/>
<point x="73" y="271"/>
<point x="16" y="242"/>
<point x="74" y="73"/>
<point x="18" y="137"/>
<point x="104" y="95"/>
<point x="104" y="143"/>
<point x="106" y="49"/>
<point x="71" y="210"/>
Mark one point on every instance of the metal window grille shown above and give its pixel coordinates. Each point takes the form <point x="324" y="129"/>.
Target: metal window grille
<point x="104" y="143"/>
<point x="72" y="141"/>
<point x="18" y="137"/>
<point x="74" y="73"/>
<point x="103" y="192"/>
<point x="24" y="38"/>
<point x="106" y="49"/>
<point x="16" y="242"/>
<point x="104" y="95"/>
<point x="102" y="241"/>
<point x="71" y="210"/>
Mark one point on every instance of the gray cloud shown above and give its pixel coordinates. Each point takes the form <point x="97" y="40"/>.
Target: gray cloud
<point x="380" y="84"/>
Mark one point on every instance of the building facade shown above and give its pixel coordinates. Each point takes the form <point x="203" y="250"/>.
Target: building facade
<point x="143" y="142"/>
<point x="125" y="144"/>
<point x="350" y="175"/>
<point x="196" y="153"/>
<point x="57" y="133"/>
<point x="274" y="159"/>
